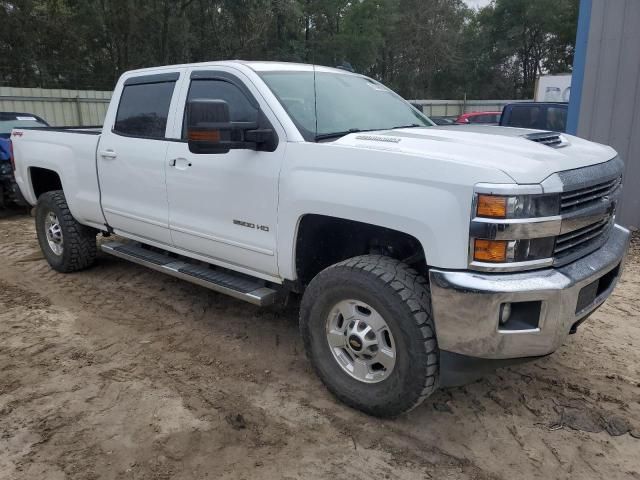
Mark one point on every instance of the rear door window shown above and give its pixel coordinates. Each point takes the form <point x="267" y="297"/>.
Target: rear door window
<point x="144" y="109"/>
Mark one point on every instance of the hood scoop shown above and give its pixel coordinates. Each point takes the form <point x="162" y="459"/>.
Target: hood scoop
<point x="550" y="139"/>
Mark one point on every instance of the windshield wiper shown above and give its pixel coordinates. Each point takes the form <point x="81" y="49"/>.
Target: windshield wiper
<point x="411" y="125"/>
<point x="327" y="136"/>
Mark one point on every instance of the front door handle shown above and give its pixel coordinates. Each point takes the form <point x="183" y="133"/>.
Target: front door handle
<point x="110" y="154"/>
<point x="180" y="163"/>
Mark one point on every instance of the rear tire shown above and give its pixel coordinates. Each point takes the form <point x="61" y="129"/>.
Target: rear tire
<point x="393" y="299"/>
<point x="67" y="245"/>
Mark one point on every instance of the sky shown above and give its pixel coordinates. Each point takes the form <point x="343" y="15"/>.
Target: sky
<point x="477" y="3"/>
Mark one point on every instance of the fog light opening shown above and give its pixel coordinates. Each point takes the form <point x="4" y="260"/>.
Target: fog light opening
<point x="520" y="316"/>
<point x="505" y="313"/>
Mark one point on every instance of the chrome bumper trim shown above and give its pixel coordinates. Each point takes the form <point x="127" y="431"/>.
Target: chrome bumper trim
<point x="466" y="304"/>
<point x="511" y="266"/>
<point x="516" y="229"/>
<point x="508" y="189"/>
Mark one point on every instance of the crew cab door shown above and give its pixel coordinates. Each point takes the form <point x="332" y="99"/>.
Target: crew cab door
<point x="224" y="206"/>
<point x="131" y="157"/>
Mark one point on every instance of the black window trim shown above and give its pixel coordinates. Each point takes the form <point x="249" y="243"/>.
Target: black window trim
<point x="155" y="78"/>
<point x="172" y="77"/>
<point x="195" y="75"/>
<point x="225" y="77"/>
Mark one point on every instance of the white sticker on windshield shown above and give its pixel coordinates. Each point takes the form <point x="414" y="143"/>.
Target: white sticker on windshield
<point x="26" y="118"/>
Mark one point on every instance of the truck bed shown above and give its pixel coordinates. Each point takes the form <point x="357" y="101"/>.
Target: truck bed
<point x="87" y="130"/>
<point x="69" y="151"/>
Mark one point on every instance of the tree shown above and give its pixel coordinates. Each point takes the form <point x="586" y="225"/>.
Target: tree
<point x="422" y="48"/>
<point x="532" y="38"/>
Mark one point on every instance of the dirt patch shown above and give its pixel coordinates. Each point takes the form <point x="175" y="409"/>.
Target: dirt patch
<point x="122" y="373"/>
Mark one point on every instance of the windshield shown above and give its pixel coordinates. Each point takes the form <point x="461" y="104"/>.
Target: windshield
<point x="344" y="103"/>
<point x="22" y="122"/>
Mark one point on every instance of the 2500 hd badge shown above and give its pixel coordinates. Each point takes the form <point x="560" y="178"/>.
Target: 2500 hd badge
<point x="264" y="228"/>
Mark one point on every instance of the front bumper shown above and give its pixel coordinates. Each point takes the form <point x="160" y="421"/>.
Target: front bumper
<point x="546" y="304"/>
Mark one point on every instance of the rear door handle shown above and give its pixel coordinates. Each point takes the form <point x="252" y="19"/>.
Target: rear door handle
<point x="110" y="154"/>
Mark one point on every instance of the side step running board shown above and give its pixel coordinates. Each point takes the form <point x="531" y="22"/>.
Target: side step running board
<point x="236" y="285"/>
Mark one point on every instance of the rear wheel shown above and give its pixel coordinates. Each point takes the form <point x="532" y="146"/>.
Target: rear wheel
<point x="67" y="245"/>
<point x="367" y="328"/>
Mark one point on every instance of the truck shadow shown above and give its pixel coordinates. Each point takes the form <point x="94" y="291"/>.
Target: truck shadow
<point x="13" y="212"/>
<point x="545" y="394"/>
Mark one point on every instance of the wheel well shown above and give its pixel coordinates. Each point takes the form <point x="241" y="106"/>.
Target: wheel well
<point x="323" y="241"/>
<point x="44" y="180"/>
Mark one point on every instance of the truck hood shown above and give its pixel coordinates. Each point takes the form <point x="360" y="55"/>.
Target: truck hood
<point x="504" y="148"/>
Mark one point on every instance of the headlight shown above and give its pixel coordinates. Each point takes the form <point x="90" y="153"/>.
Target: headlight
<point x="502" y="251"/>
<point x="513" y="232"/>
<point x="517" y="206"/>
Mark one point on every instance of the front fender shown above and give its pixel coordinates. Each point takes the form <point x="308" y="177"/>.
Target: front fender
<point x="427" y="199"/>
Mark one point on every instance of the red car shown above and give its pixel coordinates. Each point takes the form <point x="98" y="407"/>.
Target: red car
<point x="486" y="118"/>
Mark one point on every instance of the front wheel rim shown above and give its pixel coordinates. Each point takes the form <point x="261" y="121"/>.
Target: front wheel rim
<point x="361" y="341"/>
<point x="53" y="232"/>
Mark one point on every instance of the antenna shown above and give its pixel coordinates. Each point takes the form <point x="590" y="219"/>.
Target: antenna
<point x="315" y="100"/>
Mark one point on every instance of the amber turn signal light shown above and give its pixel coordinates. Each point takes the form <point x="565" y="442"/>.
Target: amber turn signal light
<point x="490" y="250"/>
<point x="491" y="206"/>
<point x="212" y="136"/>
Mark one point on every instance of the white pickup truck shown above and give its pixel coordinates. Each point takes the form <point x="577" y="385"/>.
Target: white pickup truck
<point x="424" y="255"/>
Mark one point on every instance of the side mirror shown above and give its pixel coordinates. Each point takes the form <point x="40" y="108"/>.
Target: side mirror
<point x="210" y="129"/>
<point x="208" y="126"/>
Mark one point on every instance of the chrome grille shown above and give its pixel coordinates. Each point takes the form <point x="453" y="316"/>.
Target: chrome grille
<point x="588" y="193"/>
<point x="577" y="243"/>
<point x="583" y="197"/>
<point x="578" y="238"/>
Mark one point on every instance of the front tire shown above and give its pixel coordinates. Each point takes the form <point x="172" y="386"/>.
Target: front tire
<point x="67" y="245"/>
<point x="387" y="361"/>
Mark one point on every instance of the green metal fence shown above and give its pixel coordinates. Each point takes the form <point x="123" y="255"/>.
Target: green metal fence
<point x="88" y="107"/>
<point x="58" y="107"/>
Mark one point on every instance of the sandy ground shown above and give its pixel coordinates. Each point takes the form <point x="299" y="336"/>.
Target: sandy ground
<point x="122" y="373"/>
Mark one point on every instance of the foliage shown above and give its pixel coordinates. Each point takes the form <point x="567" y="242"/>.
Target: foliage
<point x="422" y="48"/>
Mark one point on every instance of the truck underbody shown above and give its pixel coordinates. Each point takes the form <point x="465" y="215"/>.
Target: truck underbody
<point x="10" y="195"/>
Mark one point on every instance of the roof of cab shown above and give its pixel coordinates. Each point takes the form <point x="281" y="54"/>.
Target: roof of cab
<point x="257" y="66"/>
